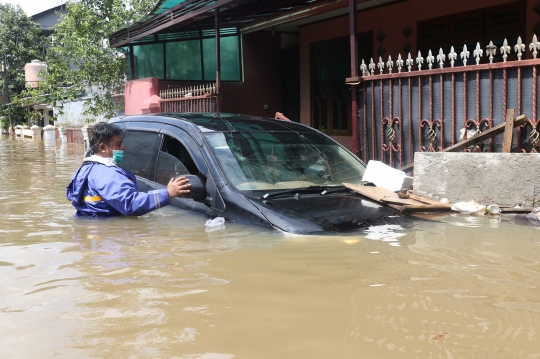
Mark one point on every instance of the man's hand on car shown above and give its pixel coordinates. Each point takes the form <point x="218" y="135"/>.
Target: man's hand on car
<point x="178" y="187"/>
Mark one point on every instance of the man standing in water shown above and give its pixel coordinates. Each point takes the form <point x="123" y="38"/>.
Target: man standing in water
<point x="102" y="189"/>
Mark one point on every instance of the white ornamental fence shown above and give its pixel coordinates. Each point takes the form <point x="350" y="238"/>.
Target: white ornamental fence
<point x="201" y="98"/>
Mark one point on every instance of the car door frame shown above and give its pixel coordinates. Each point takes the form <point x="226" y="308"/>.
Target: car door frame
<point x="193" y="149"/>
<point x="181" y="131"/>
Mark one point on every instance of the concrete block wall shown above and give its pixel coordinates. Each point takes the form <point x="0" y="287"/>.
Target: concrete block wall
<point x="505" y="179"/>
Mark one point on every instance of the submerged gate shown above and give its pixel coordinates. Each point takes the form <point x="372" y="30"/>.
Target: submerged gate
<point x="429" y="109"/>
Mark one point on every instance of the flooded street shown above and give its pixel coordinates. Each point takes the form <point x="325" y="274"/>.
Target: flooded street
<point x="160" y="286"/>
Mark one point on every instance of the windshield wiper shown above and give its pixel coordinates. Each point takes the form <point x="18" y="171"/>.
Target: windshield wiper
<point x="325" y="190"/>
<point x="334" y="190"/>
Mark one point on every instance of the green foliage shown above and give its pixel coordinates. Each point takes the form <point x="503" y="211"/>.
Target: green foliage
<point x="81" y="61"/>
<point x="20" y="43"/>
<point x="18" y="116"/>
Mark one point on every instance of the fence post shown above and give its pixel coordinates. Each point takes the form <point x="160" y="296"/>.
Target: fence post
<point x="508" y="131"/>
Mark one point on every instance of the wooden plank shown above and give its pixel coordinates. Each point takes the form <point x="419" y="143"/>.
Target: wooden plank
<point x="508" y="131"/>
<point x="413" y="204"/>
<point x="374" y="193"/>
<point x="407" y="168"/>
<point x="487" y="134"/>
<point x="423" y="200"/>
<point x="482" y="136"/>
<point x="399" y="201"/>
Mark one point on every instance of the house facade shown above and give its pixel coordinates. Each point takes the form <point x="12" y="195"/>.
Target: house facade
<point x="47" y="20"/>
<point x="304" y="58"/>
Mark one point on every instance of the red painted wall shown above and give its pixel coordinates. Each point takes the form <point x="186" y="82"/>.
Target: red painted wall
<point x="391" y="19"/>
<point x="262" y="82"/>
<point x="137" y="93"/>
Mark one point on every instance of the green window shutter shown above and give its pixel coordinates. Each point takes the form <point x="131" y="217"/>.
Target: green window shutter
<point x="149" y="61"/>
<point x="209" y="58"/>
<point x="184" y="60"/>
<point x="230" y="59"/>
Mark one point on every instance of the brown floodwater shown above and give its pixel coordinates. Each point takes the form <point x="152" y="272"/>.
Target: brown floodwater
<point x="161" y="286"/>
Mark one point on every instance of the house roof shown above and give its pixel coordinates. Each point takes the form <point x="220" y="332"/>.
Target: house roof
<point x="163" y="5"/>
<point x="171" y="16"/>
<point x="49" y="18"/>
<point x="60" y="7"/>
<point x="185" y="15"/>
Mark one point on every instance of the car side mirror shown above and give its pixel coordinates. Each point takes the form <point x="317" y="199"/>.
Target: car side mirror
<point x="197" y="191"/>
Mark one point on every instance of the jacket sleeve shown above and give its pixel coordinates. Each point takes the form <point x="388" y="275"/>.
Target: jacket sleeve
<point x="121" y="193"/>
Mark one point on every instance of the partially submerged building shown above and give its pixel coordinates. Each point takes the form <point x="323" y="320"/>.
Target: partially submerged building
<point x="47" y="20"/>
<point x="384" y="77"/>
<point x="72" y="114"/>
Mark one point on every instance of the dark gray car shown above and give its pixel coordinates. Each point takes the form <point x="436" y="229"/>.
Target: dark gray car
<point x="268" y="172"/>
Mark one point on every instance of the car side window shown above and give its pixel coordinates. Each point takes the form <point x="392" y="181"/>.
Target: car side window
<point x="138" y="151"/>
<point x="173" y="160"/>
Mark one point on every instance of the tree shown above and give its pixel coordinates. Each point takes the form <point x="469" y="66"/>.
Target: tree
<point x="20" y="43"/>
<point x="80" y="59"/>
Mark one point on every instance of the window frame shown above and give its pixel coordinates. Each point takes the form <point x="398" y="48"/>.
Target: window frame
<point x="365" y="47"/>
<point x="189" y="144"/>
<point x="328" y="61"/>
<point x="202" y="35"/>
<point x="159" y="159"/>
<point x="148" y="127"/>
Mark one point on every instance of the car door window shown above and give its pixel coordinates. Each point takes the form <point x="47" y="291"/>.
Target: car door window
<point x="173" y="160"/>
<point x="138" y="151"/>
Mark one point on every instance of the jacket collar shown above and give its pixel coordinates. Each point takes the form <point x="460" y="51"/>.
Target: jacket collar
<point x="109" y="162"/>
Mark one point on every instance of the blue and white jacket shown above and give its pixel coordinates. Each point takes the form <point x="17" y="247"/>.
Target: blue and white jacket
<point x="101" y="189"/>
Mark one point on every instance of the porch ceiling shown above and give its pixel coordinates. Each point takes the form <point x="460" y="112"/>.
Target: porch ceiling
<point x="288" y="22"/>
<point x="199" y="14"/>
<point x="246" y="15"/>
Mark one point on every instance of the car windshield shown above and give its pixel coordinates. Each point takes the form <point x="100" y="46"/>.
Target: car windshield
<point x="262" y="160"/>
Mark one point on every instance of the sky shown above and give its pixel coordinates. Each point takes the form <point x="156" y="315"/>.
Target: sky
<point x="32" y="7"/>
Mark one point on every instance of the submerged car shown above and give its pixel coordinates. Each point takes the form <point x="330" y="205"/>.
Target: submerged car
<point x="272" y="173"/>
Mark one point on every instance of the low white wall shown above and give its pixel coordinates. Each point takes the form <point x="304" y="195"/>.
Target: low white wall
<point x="73" y="114"/>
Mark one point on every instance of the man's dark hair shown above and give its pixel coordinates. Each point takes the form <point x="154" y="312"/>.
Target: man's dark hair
<point x="103" y="133"/>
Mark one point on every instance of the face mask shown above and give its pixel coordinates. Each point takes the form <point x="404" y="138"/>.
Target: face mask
<point x="118" y="155"/>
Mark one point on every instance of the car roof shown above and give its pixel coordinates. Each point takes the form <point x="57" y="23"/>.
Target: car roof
<point x="220" y="122"/>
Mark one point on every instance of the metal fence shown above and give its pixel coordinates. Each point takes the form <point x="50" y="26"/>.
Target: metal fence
<point x="189" y="99"/>
<point x="430" y="109"/>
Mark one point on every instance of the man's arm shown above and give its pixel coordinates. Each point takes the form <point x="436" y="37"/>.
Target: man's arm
<point x="121" y="193"/>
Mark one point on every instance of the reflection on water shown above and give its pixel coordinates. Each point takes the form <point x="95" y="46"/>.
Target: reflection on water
<point x="161" y="286"/>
